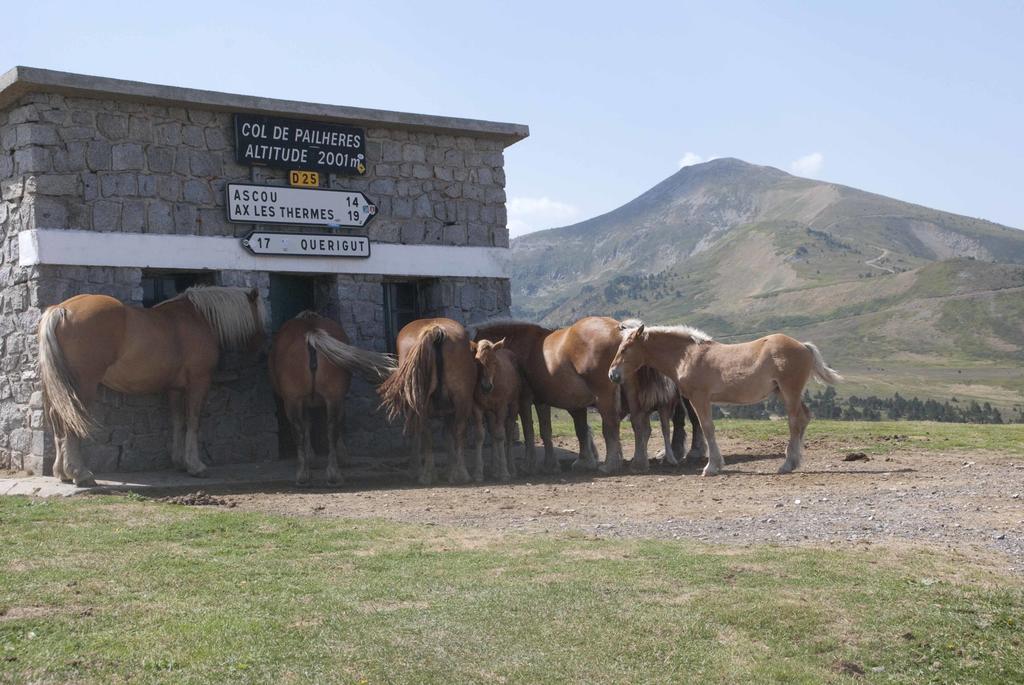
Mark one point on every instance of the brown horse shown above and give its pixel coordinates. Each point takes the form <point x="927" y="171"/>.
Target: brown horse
<point x="706" y="371"/>
<point x="497" y="398"/>
<point x="311" y="364"/>
<point x="89" y="340"/>
<point x="436" y="374"/>
<point x="568" y="368"/>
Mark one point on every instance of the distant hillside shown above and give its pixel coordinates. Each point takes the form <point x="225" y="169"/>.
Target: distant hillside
<point x="934" y="299"/>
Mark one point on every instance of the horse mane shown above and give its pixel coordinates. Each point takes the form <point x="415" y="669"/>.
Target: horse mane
<point x="695" y="334"/>
<point x="228" y="310"/>
<point x="653" y="388"/>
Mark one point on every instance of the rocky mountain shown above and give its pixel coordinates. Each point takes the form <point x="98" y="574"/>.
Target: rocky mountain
<point x="906" y="298"/>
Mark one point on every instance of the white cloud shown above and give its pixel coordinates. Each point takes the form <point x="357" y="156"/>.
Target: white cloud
<point x="528" y="214"/>
<point x="808" y="165"/>
<point x="689" y="159"/>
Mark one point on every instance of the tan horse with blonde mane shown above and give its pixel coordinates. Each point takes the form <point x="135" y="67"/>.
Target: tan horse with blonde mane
<point x="706" y="371"/>
<point x="311" y="364"/>
<point x="92" y="340"/>
<point x="436" y="374"/>
<point x="496" y="398"/>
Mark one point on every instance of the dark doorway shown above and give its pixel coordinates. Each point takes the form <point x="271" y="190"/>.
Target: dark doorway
<point x="290" y="295"/>
<point x="401" y="306"/>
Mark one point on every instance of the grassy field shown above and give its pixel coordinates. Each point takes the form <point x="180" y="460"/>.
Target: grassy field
<point x="873" y="437"/>
<point x="106" y="590"/>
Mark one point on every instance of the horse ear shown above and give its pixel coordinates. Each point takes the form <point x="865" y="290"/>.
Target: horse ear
<point x="640" y="332"/>
<point x="254" y="294"/>
<point x="473" y="346"/>
<point x="499" y="345"/>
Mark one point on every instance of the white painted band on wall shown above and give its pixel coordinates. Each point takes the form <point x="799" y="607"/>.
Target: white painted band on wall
<point x="141" y="250"/>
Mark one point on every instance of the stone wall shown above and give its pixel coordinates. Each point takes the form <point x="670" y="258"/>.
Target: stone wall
<point x="122" y="166"/>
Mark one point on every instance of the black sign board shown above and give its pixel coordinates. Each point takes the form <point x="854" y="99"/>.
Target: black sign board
<point x="297" y="144"/>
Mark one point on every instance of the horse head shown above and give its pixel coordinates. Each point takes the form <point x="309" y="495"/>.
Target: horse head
<point x="255" y="347"/>
<point x="630" y="355"/>
<point x="487" y="361"/>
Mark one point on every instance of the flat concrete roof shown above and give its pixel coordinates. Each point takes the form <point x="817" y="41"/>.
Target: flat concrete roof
<point x="20" y="80"/>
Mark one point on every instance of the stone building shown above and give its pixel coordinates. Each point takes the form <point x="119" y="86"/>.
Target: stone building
<point x="119" y="187"/>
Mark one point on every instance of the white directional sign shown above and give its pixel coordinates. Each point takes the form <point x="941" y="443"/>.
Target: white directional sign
<point x="255" y="204"/>
<point x="306" y="244"/>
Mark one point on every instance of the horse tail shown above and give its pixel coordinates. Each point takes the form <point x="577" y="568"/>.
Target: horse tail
<point x="61" y="400"/>
<point x="373" y="366"/>
<point x="821" y="369"/>
<point x="408" y="389"/>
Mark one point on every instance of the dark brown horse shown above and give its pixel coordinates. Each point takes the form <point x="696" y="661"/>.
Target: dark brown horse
<point x="311" y="364"/>
<point x="497" y="399"/>
<point x="568" y="368"/>
<point x="436" y="375"/>
<point x="744" y="373"/>
<point x="93" y="340"/>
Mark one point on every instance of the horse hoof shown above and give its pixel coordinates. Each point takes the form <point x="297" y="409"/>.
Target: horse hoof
<point x="708" y="472"/>
<point x="87" y="482"/>
<point x="785" y="468"/>
<point x="198" y="474"/>
<point x="425" y="479"/>
<point x="458" y="477"/>
<point x="302" y="484"/>
<point x="504" y="477"/>
<point x="335" y="482"/>
<point x="581" y="466"/>
<point x="608" y="470"/>
<point x="642" y="467"/>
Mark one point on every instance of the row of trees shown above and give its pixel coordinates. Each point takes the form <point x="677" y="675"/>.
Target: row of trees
<point x="826" y="404"/>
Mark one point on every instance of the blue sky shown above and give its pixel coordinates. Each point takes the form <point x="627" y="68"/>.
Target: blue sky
<point x="923" y="101"/>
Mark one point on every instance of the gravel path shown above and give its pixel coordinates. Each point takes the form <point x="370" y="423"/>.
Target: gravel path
<point x="971" y="502"/>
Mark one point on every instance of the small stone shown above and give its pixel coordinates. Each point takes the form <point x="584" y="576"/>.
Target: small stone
<point x="1001" y="536"/>
<point x="796" y="501"/>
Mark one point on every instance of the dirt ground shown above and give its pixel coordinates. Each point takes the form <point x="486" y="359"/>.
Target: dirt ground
<point x="969" y="502"/>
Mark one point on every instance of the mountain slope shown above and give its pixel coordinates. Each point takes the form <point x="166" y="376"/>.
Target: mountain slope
<point x="743" y="250"/>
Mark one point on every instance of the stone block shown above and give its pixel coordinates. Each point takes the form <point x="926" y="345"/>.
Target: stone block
<point x="70" y="157"/>
<point x="140" y="129"/>
<point x="49" y="212"/>
<point x="24" y="113"/>
<point x="184" y="219"/>
<point x="32" y="159"/>
<point x="98" y="156"/>
<point x="198" y="192"/>
<point x="215" y="139"/>
<point x="413" y="153"/>
<point x="160" y="218"/>
<point x="168" y="188"/>
<point x="57" y="184"/>
<point x="119" y="185"/>
<point x="128" y="156"/>
<point x="36" y="134"/>
<point x="161" y="159"/>
<point x="193" y="136"/>
<point x="133" y="215"/>
<point x="422" y="207"/>
<point x="169" y="133"/>
<point x="206" y="164"/>
<point x="112" y="126"/>
<point x="147" y="185"/>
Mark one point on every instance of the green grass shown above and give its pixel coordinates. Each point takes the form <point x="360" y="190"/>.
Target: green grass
<point x="115" y="590"/>
<point x="874" y="437"/>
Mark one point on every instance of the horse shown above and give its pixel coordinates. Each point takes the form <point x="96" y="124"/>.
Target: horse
<point x="654" y="391"/>
<point x="496" y="397"/>
<point x="436" y="374"/>
<point x="311" y="364"/>
<point x="706" y="371"/>
<point x="568" y="368"/>
<point x="92" y="340"/>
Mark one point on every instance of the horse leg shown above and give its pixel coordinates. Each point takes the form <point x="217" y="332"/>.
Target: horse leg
<point x="499" y="444"/>
<point x="74" y="466"/>
<point x="457" y="472"/>
<point x="478" y="456"/>
<point x="427" y="444"/>
<point x="176" y="401"/>
<point x="529" y="448"/>
<point x="799" y="417"/>
<point x="587" y="459"/>
<point x="609" y="410"/>
<point x="194" y="398"/>
<point x="665" y="420"/>
<point x="337" y="453"/>
<point x="544" y="419"/>
<point x="641" y="422"/>
<point x="58" y="463"/>
<point x="698" y="445"/>
<point x="702" y="407"/>
<point x="510" y="430"/>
